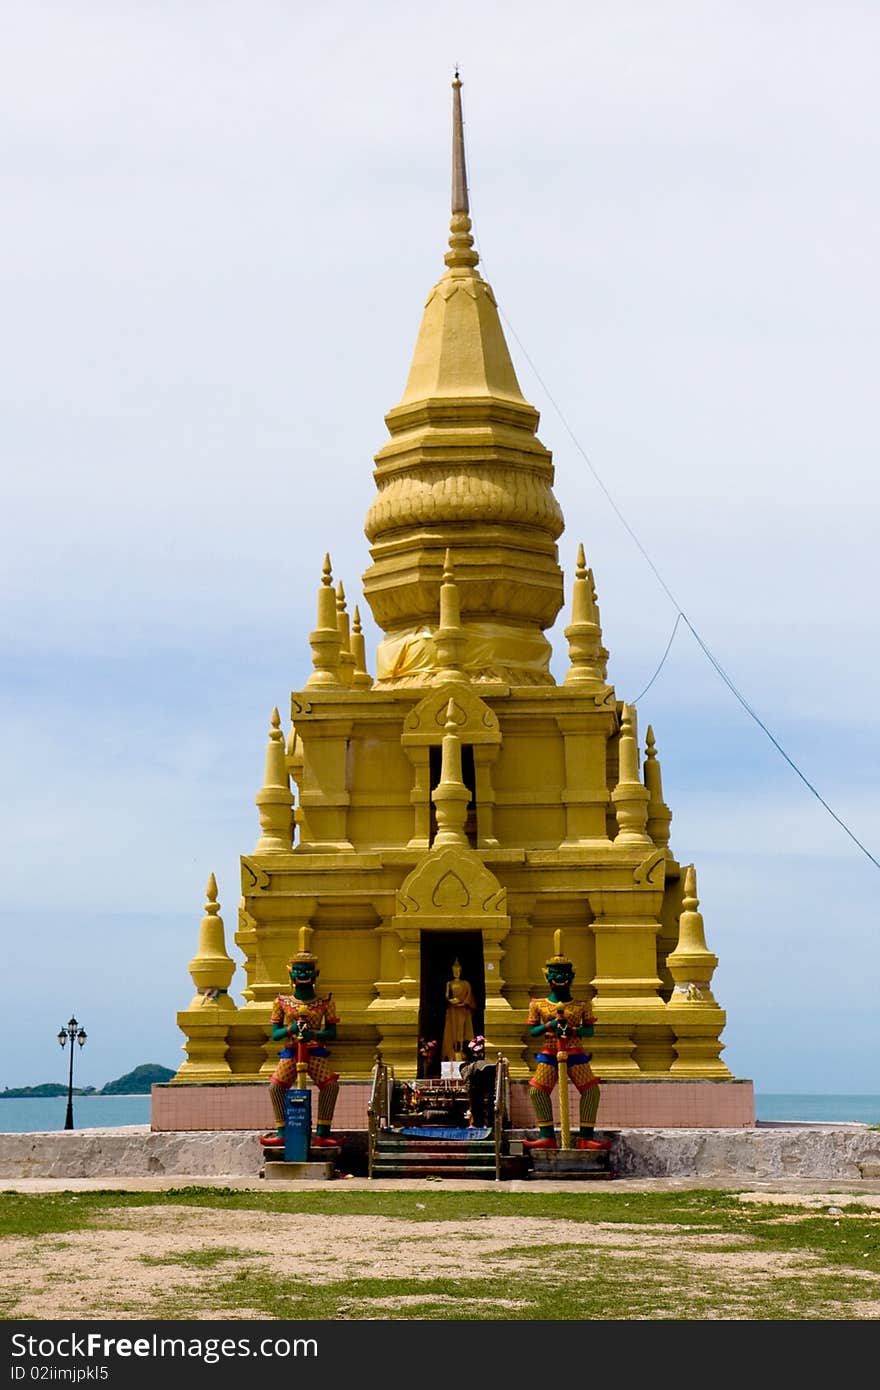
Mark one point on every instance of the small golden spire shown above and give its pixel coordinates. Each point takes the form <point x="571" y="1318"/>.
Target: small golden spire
<point x="324" y="640"/>
<point x="691" y="964"/>
<point x="449" y="639"/>
<point x="361" y="680"/>
<point x="274" y="800"/>
<point x="659" y="814"/>
<point x="451" y="796"/>
<point x="211" y="967"/>
<point x="583" y="632"/>
<point x="603" y="651"/>
<point x="346" y="659"/>
<point x="630" y="797"/>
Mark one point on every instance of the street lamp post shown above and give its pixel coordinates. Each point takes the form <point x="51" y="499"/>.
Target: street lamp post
<point x="75" y="1034"/>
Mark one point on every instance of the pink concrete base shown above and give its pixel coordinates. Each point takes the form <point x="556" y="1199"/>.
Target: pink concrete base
<point x="653" y="1105"/>
<point x="623" y="1105"/>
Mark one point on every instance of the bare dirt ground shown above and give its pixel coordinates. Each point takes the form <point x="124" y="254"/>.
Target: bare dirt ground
<point x="143" y="1257"/>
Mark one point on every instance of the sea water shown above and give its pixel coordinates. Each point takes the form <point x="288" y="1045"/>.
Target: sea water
<point x="833" y="1109"/>
<point x="38" y="1115"/>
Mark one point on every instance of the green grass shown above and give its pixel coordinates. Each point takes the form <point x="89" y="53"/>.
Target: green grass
<point x="831" y="1261"/>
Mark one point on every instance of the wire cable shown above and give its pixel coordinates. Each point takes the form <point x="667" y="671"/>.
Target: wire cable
<point x="678" y="618"/>
<point x="681" y="616"/>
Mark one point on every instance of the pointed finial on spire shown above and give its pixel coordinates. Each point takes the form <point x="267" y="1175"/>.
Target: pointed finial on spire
<point x="690" y="901"/>
<point x="212" y="906"/>
<point x="461" y="244"/>
<point x="459" y="168"/>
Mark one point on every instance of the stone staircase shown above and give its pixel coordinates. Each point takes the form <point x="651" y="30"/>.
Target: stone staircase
<point x="424" y="1156"/>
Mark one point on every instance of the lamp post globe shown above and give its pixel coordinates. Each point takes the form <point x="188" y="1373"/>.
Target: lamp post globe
<point x="72" y="1033"/>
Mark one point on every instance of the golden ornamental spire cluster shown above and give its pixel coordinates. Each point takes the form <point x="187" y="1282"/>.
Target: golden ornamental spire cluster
<point x="458" y="789"/>
<point x="338" y="653"/>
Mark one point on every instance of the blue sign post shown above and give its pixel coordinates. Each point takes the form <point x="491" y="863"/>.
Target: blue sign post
<point x="297" y="1125"/>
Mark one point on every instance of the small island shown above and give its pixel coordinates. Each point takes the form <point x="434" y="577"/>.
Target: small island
<point x="133" y="1083"/>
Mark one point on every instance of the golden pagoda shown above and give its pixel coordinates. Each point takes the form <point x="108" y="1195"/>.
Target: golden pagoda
<point x="460" y="804"/>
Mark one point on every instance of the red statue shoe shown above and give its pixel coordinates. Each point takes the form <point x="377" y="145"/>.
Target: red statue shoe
<point x="539" y="1144"/>
<point x="592" y="1144"/>
<point x="272" y="1141"/>
<point x="318" y="1141"/>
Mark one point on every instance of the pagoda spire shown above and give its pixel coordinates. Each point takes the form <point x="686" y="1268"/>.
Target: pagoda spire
<point x="207" y="1020"/>
<point x="461" y="243"/>
<point x="603" y="651"/>
<point x="325" y="640"/>
<point x="659" y="814"/>
<point x="361" y="680"/>
<point x="449" y="638"/>
<point x="450" y="796"/>
<point x="464" y="469"/>
<point x="459" y="168"/>
<point x="630" y="797"/>
<point x="343" y="622"/>
<point x="691" y="964"/>
<point x="583" y="633"/>
<point x="274" y="799"/>
<point x="212" y="968"/>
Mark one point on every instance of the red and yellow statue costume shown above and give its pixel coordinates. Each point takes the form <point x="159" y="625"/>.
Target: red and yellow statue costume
<point x="304" y="1022"/>
<point x="559" y="1023"/>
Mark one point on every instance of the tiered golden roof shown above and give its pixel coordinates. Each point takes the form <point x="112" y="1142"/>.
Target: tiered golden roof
<point x="464" y="471"/>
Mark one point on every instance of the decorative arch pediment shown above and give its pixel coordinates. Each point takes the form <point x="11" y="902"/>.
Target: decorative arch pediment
<point x="453" y="882"/>
<point x="475" y="722"/>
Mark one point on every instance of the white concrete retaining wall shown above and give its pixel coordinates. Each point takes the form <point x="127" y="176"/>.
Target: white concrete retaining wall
<point x="766" y="1152"/>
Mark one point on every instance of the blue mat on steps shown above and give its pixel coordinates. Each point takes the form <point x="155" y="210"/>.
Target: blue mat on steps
<point x="439" y="1132"/>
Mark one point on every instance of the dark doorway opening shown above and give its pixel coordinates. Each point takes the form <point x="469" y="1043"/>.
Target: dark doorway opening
<point x="468" y="776"/>
<point x="438" y="951"/>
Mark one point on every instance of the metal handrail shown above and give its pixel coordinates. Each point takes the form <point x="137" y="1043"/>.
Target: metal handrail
<point x="378" y="1108"/>
<point x="501" y="1108"/>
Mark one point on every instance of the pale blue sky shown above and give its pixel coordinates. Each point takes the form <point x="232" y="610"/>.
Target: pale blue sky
<point x="220" y="225"/>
